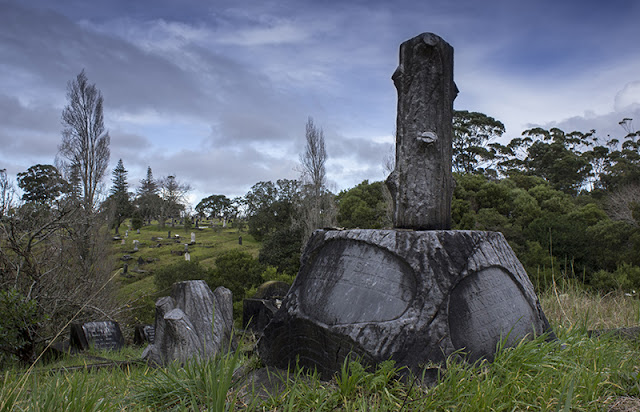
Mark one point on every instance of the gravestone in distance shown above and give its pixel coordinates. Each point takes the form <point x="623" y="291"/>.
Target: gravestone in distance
<point x="414" y="296"/>
<point x="143" y="334"/>
<point x="193" y="238"/>
<point x="103" y="335"/>
<point x="258" y="310"/>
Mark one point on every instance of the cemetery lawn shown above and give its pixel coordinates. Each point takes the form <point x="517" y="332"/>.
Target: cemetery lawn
<point x="573" y="373"/>
<point x="136" y="288"/>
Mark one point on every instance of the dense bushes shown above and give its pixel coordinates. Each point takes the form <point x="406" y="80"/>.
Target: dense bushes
<point x="551" y="230"/>
<point x="17" y="326"/>
<point x="236" y="270"/>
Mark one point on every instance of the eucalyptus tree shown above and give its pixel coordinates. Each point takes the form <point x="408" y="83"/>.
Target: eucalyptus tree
<point x="472" y="132"/>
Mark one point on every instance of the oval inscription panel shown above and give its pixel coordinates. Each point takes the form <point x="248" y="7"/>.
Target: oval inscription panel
<point x="486" y="307"/>
<point x="354" y="282"/>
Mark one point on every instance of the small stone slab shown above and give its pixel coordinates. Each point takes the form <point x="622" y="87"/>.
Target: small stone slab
<point x="104" y="335"/>
<point x="143" y="334"/>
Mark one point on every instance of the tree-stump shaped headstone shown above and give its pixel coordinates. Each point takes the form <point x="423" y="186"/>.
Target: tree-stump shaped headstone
<point x="421" y="184"/>
<point x="411" y="296"/>
<point x="414" y="296"/>
<point x="192" y="322"/>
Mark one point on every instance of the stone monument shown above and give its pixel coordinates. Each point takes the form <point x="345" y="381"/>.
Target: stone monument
<point x="101" y="335"/>
<point x="421" y="184"/>
<point x="418" y="293"/>
<point x="192" y="322"/>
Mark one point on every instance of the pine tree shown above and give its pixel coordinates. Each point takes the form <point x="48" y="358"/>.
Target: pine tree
<point x="119" y="179"/>
<point x="148" y="201"/>
<point x="119" y="203"/>
<point x="148" y="185"/>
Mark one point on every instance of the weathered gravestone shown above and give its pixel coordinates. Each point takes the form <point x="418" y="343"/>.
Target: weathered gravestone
<point x="258" y="311"/>
<point x="415" y="296"/>
<point x="103" y="335"/>
<point x="143" y="334"/>
<point x="192" y="322"/>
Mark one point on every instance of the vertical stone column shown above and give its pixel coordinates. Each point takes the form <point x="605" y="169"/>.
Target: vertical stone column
<point x="421" y="184"/>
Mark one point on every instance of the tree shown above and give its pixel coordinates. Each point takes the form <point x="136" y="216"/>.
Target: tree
<point x="556" y="157"/>
<point x="623" y="167"/>
<point x="173" y="194"/>
<point x="42" y="260"/>
<point x="364" y="206"/>
<point x="85" y="142"/>
<point x="472" y="131"/>
<point x="148" y="185"/>
<point x="214" y="206"/>
<point x="148" y="201"/>
<point x="314" y="158"/>
<point x="119" y="203"/>
<point x="272" y="207"/>
<point x="6" y="193"/>
<point x="317" y="202"/>
<point x="42" y="184"/>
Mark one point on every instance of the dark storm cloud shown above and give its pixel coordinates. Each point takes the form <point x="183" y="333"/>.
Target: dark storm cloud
<point x="218" y="92"/>
<point x="35" y="116"/>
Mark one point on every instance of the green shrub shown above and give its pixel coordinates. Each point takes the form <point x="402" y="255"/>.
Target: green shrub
<point x="136" y="221"/>
<point x="237" y="271"/>
<point x="625" y="278"/>
<point x="178" y="272"/>
<point x="18" y="325"/>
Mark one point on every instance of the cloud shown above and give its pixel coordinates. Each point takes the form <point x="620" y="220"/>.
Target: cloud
<point x="219" y="93"/>
<point x="628" y="96"/>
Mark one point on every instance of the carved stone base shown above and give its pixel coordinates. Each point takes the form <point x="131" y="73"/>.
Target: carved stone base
<point x="411" y="296"/>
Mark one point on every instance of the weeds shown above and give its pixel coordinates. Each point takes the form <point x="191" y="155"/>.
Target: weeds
<point x="574" y="372"/>
<point x="198" y="383"/>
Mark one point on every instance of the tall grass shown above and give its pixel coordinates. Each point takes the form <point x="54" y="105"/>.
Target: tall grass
<point x="571" y="305"/>
<point x="574" y="372"/>
<point x="196" y="385"/>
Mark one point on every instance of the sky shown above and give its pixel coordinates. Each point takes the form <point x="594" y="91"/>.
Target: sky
<point x="217" y="92"/>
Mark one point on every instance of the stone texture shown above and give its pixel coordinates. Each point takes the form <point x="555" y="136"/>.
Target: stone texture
<point x="410" y="296"/>
<point x="101" y="335"/>
<point x="421" y="185"/>
<point x="192" y="322"/>
<point x="258" y="311"/>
